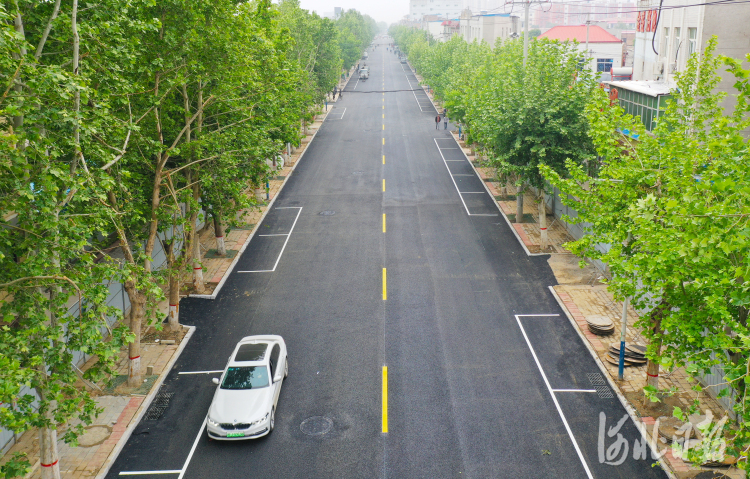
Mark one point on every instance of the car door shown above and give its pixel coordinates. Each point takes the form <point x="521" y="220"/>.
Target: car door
<point x="276" y="368"/>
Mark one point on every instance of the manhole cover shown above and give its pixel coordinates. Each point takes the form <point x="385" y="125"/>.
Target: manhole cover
<point x="316" y="426"/>
<point x="327" y="213"/>
<point x="357" y="173"/>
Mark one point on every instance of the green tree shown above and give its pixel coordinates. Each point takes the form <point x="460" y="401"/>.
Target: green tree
<point x="668" y="214"/>
<point x="50" y="238"/>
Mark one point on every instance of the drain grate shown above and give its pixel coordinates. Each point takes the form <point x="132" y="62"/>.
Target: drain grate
<point x="596" y="379"/>
<point x="160" y="404"/>
<point x="604" y="392"/>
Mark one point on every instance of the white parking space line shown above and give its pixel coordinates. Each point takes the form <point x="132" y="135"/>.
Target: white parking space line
<point x="280" y="234"/>
<point x="454" y="160"/>
<point x="412" y="89"/>
<point x="355" y="85"/>
<point x="288" y="235"/>
<point x="465" y="174"/>
<point x="201" y="372"/>
<point x="552" y="391"/>
<point x="192" y="450"/>
<point x="148" y="473"/>
<point x="574" y="390"/>
<point x="452" y="179"/>
<point x="342" y="115"/>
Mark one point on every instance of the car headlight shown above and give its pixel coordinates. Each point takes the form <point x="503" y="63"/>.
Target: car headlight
<point x="212" y="422"/>
<point x="255" y="423"/>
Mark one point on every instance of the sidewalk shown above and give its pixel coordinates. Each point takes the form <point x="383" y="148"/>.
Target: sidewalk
<point x="123" y="408"/>
<point x="581" y="295"/>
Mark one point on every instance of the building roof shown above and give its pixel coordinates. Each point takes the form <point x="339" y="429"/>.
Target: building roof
<point x="651" y="88"/>
<point x="578" y="33"/>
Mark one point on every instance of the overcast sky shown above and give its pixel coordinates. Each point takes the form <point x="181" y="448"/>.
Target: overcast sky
<point x="389" y="11"/>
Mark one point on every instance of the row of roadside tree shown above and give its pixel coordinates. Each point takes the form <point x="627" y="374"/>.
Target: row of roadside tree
<point x="120" y="122"/>
<point x="668" y="212"/>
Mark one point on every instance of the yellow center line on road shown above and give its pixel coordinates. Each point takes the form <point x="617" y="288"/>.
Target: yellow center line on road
<point x="383" y="184"/>
<point x="385" y="399"/>
<point x="384" y="127"/>
<point x="385" y="289"/>
<point x="384" y="141"/>
<point x="383" y="113"/>
<point x="384" y="159"/>
<point x="383" y="222"/>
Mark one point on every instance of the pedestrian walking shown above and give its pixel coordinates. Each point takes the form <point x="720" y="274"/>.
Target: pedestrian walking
<point x="437" y="122"/>
<point x="445" y="123"/>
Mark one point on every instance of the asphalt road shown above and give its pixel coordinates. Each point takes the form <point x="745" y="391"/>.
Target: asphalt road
<point x="396" y="258"/>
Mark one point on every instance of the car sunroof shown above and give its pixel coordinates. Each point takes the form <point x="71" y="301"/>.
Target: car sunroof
<point x="251" y="352"/>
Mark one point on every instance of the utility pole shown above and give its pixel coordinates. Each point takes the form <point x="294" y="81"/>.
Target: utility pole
<point x="588" y="22"/>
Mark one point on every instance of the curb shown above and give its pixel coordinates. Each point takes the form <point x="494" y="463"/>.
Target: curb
<point x="625" y="403"/>
<point x="217" y="290"/>
<point x="104" y="470"/>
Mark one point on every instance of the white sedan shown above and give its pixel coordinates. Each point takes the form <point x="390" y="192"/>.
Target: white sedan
<point x="244" y="404"/>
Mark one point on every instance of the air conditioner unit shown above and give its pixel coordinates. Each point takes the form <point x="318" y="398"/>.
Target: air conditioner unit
<point x="672" y="67"/>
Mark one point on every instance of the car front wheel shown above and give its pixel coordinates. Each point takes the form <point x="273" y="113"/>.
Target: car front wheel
<point x="286" y="367"/>
<point x="272" y="422"/>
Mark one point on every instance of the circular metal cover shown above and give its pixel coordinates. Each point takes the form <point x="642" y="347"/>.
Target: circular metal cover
<point x="327" y="213"/>
<point x="316" y="425"/>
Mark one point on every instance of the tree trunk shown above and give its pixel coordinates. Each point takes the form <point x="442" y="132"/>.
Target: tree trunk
<point x="174" y="289"/>
<point x="304" y="126"/>
<point x="49" y="459"/>
<point x="221" y="248"/>
<point x="258" y="195"/>
<point x="195" y="246"/>
<point x="519" y="203"/>
<point x="652" y="367"/>
<point x="542" y="222"/>
<point x="137" y="313"/>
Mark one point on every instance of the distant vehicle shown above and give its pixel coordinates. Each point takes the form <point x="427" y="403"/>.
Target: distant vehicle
<point x="244" y="404"/>
<point x="364" y="56"/>
<point x="403" y="59"/>
<point x="364" y="73"/>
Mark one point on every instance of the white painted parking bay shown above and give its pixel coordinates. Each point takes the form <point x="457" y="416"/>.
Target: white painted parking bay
<point x="475" y="198"/>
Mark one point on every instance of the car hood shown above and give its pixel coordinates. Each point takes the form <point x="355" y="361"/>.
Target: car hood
<point x="240" y="405"/>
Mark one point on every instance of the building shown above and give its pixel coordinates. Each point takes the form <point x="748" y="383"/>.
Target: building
<point x="666" y="38"/>
<point x="441" y="30"/>
<point x="440" y="8"/>
<point x="488" y="28"/>
<point x="628" y="47"/>
<point x="605" y="50"/>
<point x="611" y="14"/>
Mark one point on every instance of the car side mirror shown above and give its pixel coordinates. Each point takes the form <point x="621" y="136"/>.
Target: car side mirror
<point x="277" y="378"/>
<point x="215" y="381"/>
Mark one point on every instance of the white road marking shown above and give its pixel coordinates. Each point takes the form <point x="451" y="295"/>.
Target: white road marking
<point x="201" y="372"/>
<point x="280" y="234"/>
<point x="471" y="192"/>
<point x="192" y="449"/>
<point x="288" y="235"/>
<point x="148" y="473"/>
<point x="355" y="85"/>
<point x="551" y="391"/>
<point x="574" y="390"/>
<point x="453" y="180"/>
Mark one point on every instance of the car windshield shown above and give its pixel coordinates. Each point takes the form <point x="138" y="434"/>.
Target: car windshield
<point x="246" y="377"/>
